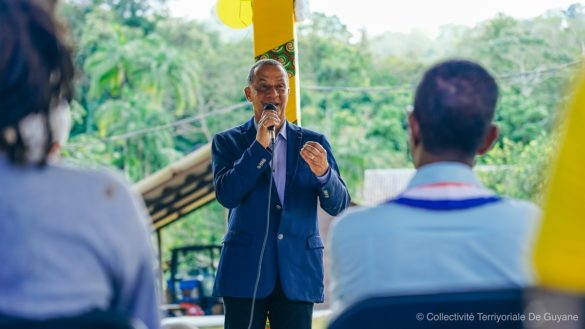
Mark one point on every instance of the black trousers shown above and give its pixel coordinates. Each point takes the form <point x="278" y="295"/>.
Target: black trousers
<point x="282" y="312"/>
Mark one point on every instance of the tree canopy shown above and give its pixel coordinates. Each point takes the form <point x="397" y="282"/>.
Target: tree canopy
<point x="141" y="71"/>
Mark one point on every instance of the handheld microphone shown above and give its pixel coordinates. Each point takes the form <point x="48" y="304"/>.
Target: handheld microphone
<point x="270" y="107"/>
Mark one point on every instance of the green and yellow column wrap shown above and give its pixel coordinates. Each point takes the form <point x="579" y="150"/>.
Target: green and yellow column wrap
<point x="274" y="37"/>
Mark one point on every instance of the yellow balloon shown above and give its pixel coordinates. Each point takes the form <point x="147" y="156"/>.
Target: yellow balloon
<point x="236" y="14"/>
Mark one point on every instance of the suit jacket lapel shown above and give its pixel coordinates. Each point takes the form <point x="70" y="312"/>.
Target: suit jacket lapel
<point x="294" y="138"/>
<point x="249" y="132"/>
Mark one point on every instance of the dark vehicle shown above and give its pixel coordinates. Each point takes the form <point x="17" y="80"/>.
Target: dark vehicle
<point x="190" y="285"/>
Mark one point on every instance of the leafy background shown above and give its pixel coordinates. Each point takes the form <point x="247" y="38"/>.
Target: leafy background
<point x="141" y="70"/>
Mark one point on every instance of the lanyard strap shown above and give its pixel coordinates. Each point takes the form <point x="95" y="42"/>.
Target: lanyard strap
<point x="446" y="196"/>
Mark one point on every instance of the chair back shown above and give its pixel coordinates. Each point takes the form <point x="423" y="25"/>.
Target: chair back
<point x="475" y="309"/>
<point x="92" y="320"/>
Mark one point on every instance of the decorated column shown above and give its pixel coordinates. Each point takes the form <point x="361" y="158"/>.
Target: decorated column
<point x="274" y="36"/>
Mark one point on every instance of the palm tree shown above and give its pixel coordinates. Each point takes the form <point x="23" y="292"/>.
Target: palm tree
<point x="134" y="82"/>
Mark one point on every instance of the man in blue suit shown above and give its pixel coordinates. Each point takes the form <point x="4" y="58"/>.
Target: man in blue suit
<point x="272" y="259"/>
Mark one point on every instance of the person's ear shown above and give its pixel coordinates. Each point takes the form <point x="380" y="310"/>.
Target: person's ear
<point x="54" y="152"/>
<point x="54" y="149"/>
<point x="489" y="140"/>
<point x="248" y="93"/>
<point x="413" y="130"/>
<point x="414" y="139"/>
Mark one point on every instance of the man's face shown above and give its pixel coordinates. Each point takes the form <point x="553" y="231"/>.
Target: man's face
<point x="270" y="86"/>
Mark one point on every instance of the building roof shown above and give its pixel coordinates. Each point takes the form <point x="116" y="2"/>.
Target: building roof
<point x="178" y="189"/>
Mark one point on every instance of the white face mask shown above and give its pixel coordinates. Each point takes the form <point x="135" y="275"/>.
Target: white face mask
<point x="32" y="129"/>
<point x="61" y="123"/>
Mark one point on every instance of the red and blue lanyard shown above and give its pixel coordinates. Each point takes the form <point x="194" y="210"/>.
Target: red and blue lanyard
<point x="446" y="196"/>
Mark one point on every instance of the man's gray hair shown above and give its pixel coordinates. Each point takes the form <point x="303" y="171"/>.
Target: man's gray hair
<point x="260" y="63"/>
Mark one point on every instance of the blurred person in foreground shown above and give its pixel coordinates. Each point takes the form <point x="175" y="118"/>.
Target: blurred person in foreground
<point x="445" y="231"/>
<point x="71" y="240"/>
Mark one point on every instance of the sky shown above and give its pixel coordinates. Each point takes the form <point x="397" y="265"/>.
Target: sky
<point x="378" y="16"/>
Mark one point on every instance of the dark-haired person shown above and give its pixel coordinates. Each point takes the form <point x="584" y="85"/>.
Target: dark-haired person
<point x="445" y="231"/>
<point x="304" y="172"/>
<point x="71" y="241"/>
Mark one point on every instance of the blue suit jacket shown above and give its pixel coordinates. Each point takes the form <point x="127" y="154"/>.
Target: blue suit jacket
<point x="294" y="250"/>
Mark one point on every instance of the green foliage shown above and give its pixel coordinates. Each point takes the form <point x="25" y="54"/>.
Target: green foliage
<point x="132" y="79"/>
<point x="520" y="118"/>
<point x="519" y="170"/>
<point x="140" y="69"/>
<point x="205" y="226"/>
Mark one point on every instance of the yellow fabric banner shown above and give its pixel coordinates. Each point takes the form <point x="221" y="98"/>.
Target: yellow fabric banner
<point x="560" y="250"/>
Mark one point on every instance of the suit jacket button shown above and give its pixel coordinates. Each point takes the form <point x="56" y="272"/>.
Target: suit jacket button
<point x="278" y="207"/>
<point x="280" y="236"/>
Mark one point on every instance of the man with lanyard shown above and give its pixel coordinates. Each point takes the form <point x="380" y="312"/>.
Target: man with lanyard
<point x="446" y="231"/>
